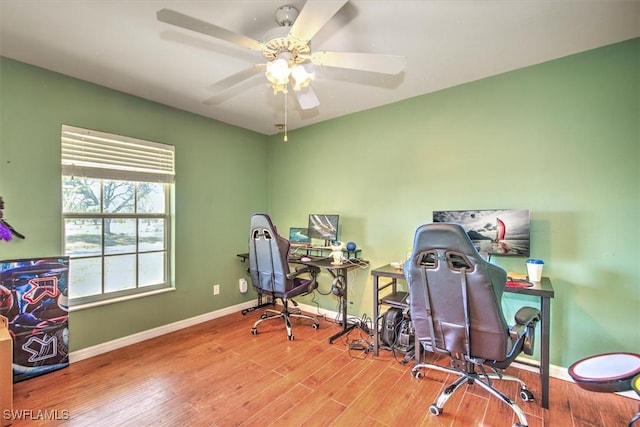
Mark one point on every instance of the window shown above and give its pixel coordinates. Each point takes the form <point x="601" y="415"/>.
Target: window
<point x="116" y="194"/>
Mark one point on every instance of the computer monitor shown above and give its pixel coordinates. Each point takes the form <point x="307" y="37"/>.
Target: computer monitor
<point x="325" y="227"/>
<point x="299" y="236"/>
<point x="493" y="231"/>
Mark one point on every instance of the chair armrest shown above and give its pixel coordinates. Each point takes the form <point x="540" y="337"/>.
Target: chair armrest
<point x="311" y="282"/>
<point x="526" y="319"/>
<point x="526" y="315"/>
<point x="313" y="271"/>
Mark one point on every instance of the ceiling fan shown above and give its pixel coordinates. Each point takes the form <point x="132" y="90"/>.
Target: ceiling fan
<point x="287" y="49"/>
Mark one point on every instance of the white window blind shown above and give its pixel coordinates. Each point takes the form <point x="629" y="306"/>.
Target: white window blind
<point x="103" y="155"/>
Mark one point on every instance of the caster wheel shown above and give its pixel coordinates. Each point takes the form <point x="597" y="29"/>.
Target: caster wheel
<point x="316" y="326"/>
<point x="526" y="395"/>
<point x="263" y="316"/>
<point x="254" y="331"/>
<point x="434" y="410"/>
<point x="519" y="425"/>
<point x="416" y="374"/>
<point x="290" y="337"/>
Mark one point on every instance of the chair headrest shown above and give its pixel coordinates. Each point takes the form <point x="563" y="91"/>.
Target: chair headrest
<point x="445" y="235"/>
<point x="262" y="220"/>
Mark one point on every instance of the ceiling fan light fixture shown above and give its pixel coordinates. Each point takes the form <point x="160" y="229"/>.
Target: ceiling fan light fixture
<point x="278" y="71"/>
<point x="287" y="49"/>
<point x="301" y="77"/>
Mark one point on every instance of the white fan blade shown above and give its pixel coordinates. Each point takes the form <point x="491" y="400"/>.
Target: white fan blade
<point x="227" y="83"/>
<point x="307" y="98"/>
<point x="178" y="19"/>
<point x="313" y="16"/>
<point x="386" y="64"/>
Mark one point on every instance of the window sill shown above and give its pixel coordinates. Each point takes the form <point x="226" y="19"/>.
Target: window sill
<point x="120" y="299"/>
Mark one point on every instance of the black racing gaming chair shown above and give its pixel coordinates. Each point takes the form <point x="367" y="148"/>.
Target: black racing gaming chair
<point x="455" y="307"/>
<point x="270" y="275"/>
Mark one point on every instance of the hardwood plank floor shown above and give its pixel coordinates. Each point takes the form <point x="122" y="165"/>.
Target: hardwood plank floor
<point x="218" y="374"/>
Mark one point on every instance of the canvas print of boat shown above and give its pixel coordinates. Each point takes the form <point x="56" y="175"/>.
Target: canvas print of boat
<point x="493" y="231"/>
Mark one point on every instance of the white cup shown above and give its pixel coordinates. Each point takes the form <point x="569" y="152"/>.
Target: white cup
<point x="534" y="269"/>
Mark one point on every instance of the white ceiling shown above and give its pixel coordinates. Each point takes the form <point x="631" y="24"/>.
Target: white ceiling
<point x="121" y="45"/>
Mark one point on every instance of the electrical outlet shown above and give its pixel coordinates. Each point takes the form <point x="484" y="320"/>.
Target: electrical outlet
<point x="216" y="289"/>
<point x="242" y="285"/>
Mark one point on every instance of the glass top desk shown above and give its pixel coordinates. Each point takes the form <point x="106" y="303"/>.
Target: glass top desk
<point x="543" y="290"/>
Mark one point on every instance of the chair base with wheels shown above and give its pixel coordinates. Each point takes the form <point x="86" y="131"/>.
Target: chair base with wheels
<point x="286" y="314"/>
<point x="608" y="373"/>
<point x="484" y="379"/>
<point x="455" y="304"/>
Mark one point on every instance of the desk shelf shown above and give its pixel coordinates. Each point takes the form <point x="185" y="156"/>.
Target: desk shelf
<point x="381" y="296"/>
<point x="395" y="297"/>
<point x="387" y="294"/>
<point x="398" y="299"/>
<point x="321" y="251"/>
<point x="311" y="251"/>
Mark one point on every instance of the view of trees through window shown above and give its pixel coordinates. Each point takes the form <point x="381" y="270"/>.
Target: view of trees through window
<point x="116" y="235"/>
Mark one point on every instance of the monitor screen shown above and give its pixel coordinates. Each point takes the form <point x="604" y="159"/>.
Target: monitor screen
<point x="496" y="231"/>
<point x="323" y="227"/>
<point x="299" y="235"/>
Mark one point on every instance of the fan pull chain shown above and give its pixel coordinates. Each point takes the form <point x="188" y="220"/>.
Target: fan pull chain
<point x="286" y="109"/>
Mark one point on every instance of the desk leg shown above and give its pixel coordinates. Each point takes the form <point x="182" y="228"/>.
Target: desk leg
<point x="544" y="351"/>
<point x="345" y="329"/>
<point x="376" y="313"/>
<point x="256" y="307"/>
<point x="261" y="304"/>
<point x="343" y="301"/>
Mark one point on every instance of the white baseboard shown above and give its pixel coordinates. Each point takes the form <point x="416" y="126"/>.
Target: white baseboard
<point x="557" y="372"/>
<point x="95" y="350"/>
<point x="532" y="365"/>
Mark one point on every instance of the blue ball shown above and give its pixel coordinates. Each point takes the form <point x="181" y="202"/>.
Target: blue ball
<point x="351" y="246"/>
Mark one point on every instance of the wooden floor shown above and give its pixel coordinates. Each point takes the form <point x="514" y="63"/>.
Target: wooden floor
<point x="218" y="374"/>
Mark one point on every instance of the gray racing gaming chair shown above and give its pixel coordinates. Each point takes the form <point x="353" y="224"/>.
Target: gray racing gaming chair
<point x="455" y="303"/>
<point x="270" y="274"/>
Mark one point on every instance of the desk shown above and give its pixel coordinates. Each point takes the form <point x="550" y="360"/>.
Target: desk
<point x="543" y="290"/>
<point x="338" y="272"/>
<point x="310" y="251"/>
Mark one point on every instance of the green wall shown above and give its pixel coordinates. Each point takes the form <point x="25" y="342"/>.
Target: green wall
<point x="220" y="182"/>
<point x="561" y="138"/>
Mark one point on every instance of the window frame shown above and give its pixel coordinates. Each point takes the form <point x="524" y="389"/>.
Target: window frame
<point x="74" y="165"/>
